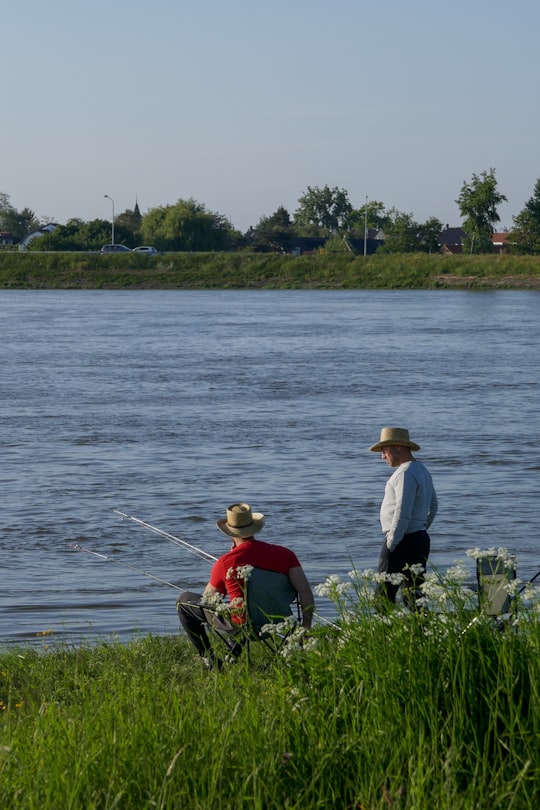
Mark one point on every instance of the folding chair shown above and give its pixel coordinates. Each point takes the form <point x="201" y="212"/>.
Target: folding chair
<point x="268" y="599"/>
<point x="494" y="574"/>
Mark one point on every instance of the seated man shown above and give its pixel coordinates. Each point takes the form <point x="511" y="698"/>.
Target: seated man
<point x="228" y="578"/>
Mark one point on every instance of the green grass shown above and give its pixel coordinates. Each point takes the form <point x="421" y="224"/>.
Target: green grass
<point x="265" y="271"/>
<point x="401" y="710"/>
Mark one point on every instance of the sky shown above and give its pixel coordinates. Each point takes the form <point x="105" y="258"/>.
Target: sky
<point x="243" y="105"/>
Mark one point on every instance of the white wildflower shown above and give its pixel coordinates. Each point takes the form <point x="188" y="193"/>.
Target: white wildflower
<point x="279" y="628"/>
<point x="531" y="594"/>
<point x="500" y="555"/>
<point x="416" y="569"/>
<point x="244" y="571"/>
<point x="237" y="603"/>
<point x="293" y="643"/>
<point x="393" y="579"/>
<point x="310" y="643"/>
<point x="368" y="575"/>
<point x="458" y="573"/>
<point x="212" y="599"/>
<point x="434" y="590"/>
<point x="333" y="588"/>
<point x="222" y="609"/>
<point x="512" y="588"/>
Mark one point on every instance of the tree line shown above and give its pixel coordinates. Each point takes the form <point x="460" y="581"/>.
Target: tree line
<point x="323" y="213"/>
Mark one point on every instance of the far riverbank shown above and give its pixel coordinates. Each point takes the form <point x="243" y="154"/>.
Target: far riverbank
<point x="199" y="271"/>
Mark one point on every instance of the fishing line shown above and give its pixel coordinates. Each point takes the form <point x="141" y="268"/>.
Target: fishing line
<point x="126" y="565"/>
<point x="199" y="552"/>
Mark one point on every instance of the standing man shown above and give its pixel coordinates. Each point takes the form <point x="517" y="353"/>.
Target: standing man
<point x="228" y="578"/>
<point x="407" y="511"/>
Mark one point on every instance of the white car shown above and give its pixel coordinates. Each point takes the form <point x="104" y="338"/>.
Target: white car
<point x="115" y="249"/>
<point x="147" y="249"/>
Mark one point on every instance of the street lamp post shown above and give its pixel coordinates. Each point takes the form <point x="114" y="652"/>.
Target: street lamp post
<point x="365" y="229"/>
<point x="112" y="226"/>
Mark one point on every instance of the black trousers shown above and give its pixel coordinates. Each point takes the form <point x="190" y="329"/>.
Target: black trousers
<point x="412" y="550"/>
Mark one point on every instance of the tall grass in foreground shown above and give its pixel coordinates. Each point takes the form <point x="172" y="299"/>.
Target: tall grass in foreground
<point x="402" y="710"/>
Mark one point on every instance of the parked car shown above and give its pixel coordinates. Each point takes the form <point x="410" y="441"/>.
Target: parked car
<point x="115" y="249"/>
<point x="148" y="249"/>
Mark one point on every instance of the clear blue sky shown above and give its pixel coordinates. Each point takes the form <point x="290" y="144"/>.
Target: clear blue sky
<point x="244" y="104"/>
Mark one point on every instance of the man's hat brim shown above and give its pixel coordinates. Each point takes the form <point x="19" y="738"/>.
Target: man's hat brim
<point x="242" y="531"/>
<point x="393" y="443"/>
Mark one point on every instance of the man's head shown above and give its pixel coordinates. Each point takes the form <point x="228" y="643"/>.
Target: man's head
<point x="240" y="521"/>
<point x="395" y="446"/>
<point x="396" y="454"/>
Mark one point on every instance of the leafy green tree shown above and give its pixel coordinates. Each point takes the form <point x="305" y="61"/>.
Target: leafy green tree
<point x="187" y="226"/>
<point x="323" y="211"/>
<point x="401" y="233"/>
<point x="478" y="202"/>
<point x="19" y="223"/>
<point x="377" y="218"/>
<point x="274" y="233"/>
<point x="5" y="207"/>
<point x="526" y="233"/>
<point x="128" y="224"/>
<point x="405" y="235"/>
<point x="429" y="235"/>
<point x="76" y="235"/>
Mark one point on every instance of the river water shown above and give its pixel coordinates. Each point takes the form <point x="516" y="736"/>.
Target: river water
<point x="169" y="405"/>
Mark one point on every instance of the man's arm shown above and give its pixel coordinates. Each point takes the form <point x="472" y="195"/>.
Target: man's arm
<point x="298" y="580"/>
<point x="405" y="487"/>
<point x="434" y="505"/>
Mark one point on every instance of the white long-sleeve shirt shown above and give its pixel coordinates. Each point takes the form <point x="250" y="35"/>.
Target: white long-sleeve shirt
<point x="409" y="503"/>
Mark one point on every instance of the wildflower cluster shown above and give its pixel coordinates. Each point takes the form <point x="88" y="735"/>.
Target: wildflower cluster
<point x="441" y="592"/>
<point x="279" y="628"/>
<point x="293" y="635"/>
<point x="333" y="588"/>
<point x="498" y="555"/>
<point x="244" y="572"/>
<point x="240" y="572"/>
<point x="216" y="602"/>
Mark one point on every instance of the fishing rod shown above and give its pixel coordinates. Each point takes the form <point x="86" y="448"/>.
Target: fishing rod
<point x="126" y="565"/>
<point x="199" y="552"/>
<point x="529" y="582"/>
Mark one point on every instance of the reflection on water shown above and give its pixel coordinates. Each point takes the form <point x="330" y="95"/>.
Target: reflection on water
<point x="170" y="405"/>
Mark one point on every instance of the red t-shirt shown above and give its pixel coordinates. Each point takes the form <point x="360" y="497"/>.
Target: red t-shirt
<point x="253" y="552"/>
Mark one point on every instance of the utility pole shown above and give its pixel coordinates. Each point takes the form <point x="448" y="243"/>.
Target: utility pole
<point x="365" y="228"/>
<point x="112" y="226"/>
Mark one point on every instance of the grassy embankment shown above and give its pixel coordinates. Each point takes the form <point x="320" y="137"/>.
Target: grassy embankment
<point x="265" y="271"/>
<point x="404" y="711"/>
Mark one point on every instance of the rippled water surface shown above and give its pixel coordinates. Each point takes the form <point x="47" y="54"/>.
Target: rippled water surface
<point x="170" y="405"/>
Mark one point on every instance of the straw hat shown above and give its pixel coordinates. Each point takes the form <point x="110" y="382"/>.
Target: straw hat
<point x="394" y="436"/>
<point x="240" y="521"/>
